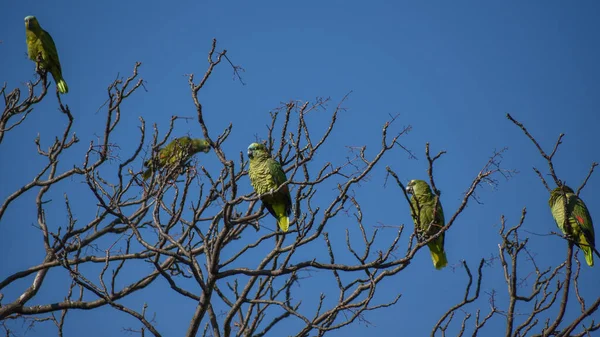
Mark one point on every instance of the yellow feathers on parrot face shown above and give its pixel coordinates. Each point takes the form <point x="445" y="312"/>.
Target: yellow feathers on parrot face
<point x="42" y="51"/>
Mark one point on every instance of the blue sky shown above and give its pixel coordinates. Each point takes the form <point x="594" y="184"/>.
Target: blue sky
<point x="452" y="70"/>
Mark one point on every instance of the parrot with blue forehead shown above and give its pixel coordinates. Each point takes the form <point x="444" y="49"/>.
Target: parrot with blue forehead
<point x="266" y="176"/>
<point x="177" y="152"/>
<point x="580" y="227"/>
<point x="40" y="44"/>
<point x="428" y="216"/>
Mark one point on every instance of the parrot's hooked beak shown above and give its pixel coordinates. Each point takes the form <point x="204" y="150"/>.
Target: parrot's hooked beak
<point x="409" y="189"/>
<point x="250" y="153"/>
<point x="27" y="23"/>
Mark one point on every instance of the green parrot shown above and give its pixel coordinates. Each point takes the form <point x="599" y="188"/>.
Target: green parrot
<point x="428" y="216"/>
<point x="266" y="175"/>
<point x="580" y="222"/>
<point x="39" y="42"/>
<point x="177" y="152"/>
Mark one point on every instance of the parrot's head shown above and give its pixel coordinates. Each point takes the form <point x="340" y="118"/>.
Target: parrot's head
<point x="564" y="188"/>
<point x="202" y="145"/>
<point x="557" y="193"/>
<point x="567" y="189"/>
<point x="31" y="23"/>
<point x="256" y="150"/>
<point x="417" y="187"/>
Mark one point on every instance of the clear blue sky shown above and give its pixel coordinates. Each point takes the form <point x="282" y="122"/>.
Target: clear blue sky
<point x="451" y="69"/>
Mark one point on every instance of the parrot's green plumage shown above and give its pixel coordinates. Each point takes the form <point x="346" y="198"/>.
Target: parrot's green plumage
<point x="177" y="152"/>
<point x="266" y="175"/>
<point x="40" y="43"/>
<point x="428" y="216"/>
<point x="580" y="227"/>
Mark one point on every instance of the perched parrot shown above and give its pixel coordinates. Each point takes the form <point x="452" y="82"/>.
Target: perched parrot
<point x="428" y="216"/>
<point x="580" y="222"/>
<point x="177" y="152"/>
<point x="39" y="42"/>
<point x="266" y="175"/>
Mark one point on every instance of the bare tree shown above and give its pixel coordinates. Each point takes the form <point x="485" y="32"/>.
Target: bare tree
<point x="217" y="247"/>
<point x="540" y="311"/>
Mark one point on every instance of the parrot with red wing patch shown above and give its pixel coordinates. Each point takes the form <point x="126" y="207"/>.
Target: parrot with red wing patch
<point x="580" y="227"/>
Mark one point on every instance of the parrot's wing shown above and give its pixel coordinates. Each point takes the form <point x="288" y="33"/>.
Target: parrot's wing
<point x="184" y="151"/>
<point x="583" y="218"/>
<point x="164" y="155"/>
<point x="276" y="172"/>
<point x="50" y="49"/>
<point x="278" y="176"/>
<point x="174" y="152"/>
<point x="428" y="214"/>
<point x="439" y="212"/>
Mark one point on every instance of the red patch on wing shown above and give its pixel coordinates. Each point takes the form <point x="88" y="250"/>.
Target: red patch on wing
<point x="579" y="219"/>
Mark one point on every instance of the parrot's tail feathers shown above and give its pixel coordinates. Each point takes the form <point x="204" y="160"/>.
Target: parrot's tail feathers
<point x="589" y="255"/>
<point x="439" y="260"/>
<point x="284" y="223"/>
<point x="147" y="174"/>
<point x="588" y="250"/>
<point x="62" y="86"/>
<point x="438" y="255"/>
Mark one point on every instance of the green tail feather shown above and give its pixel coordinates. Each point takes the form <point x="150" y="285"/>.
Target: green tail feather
<point x="62" y="86"/>
<point x="589" y="254"/>
<point x="284" y="223"/>
<point x="588" y="251"/>
<point x="437" y="255"/>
